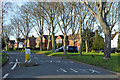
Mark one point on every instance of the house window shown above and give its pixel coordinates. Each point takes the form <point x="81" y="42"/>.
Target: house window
<point x="59" y="41"/>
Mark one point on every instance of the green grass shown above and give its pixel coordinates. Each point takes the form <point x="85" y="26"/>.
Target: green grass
<point x="34" y="51"/>
<point x="110" y="64"/>
<point x="17" y="50"/>
<point x="41" y="52"/>
<point x="3" y="58"/>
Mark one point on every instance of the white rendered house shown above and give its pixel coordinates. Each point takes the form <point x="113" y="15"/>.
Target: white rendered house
<point x="114" y="39"/>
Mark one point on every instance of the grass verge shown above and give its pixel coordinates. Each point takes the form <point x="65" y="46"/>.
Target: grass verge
<point x="34" y="51"/>
<point x="112" y="64"/>
<point x="3" y="58"/>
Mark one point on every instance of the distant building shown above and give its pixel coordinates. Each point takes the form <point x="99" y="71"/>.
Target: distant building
<point x="114" y="39"/>
<point x="11" y="43"/>
<point x="31" y="41"/>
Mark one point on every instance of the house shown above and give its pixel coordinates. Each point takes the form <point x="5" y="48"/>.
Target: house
<point x="76" y="38"/>
<point x="20" y="41"/>
<point x="31" y="41"/>
<point x="114" y="39"/>
<point x="76" y="41"/>
<point x="60" y="41"/>
<point x="44" y="41"/>
<point x="11" y="43"/>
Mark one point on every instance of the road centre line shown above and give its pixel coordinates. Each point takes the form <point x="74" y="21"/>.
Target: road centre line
<point x="63" y="70"/>
<point x="73" y="70"/>
<point x="5" y="76"/>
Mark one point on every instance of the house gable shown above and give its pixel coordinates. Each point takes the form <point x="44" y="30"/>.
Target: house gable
<point x="114" y="40"/>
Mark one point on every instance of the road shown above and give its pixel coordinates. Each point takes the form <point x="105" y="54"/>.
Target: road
<point x="50" y="67"/>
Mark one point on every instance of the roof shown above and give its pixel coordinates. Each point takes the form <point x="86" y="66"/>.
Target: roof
<point x="63" y="36"/>
<point x="22" y="39"/>
<point x="12" y="41"/>
<point x="75" y="35"/>
<point x="56" y="37"/>
<point x="32" y="38"/>
<point x="45" y="36"/>
<point x="113" y="35"/>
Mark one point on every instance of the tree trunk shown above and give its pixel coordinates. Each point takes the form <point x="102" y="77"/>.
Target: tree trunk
<point x="48" y="45"/>
<point x="65" y="50"/>
<point x="25" y="43"/>
<point x="6" y="47"/>
<point x="107" y="45"/>
<point x="107" y="33"/>
<point x="80" y="48"/>
<point x="41" y="42"/>
<point x="53" y="38"/>
<point x="86" y="44"/>
<point x="53" y="43"/>
<point x="17" y="44"/>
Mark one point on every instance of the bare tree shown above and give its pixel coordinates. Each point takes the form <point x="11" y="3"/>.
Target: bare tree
<point x="15" y="25"/>
<point x="101" y="14"/>
<point x="81" y="14"/>
<point x="50" y="11"/>
<point x="88" y="28"/>
<point x="26" y="24"/>
<point x="6" y="34"/>
<point x="74" y="26"/>
<point x="64" y="19"/>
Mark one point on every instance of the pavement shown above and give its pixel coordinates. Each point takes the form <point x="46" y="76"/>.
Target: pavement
<point x="51" y="67"/>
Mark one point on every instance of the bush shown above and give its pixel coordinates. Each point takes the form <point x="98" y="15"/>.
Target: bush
<point x="38" y="48"/>
<point x="93" y="51"/>
<point x="118" y="51"/>
<point x="10" y="48"/>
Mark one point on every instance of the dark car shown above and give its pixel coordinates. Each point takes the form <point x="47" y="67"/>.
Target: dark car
<point x="69" y="49"/>
<point x="113" y="50"/>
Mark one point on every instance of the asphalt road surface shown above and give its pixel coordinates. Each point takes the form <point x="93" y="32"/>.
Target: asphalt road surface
<point x="50" y="67"/>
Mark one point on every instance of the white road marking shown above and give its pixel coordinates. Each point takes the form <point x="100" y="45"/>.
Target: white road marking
<point x="51" y="61"/>
<point x="5" y="76"/>
<point x="35" y="57"/>
<point x="94" y="71"/>
<point x="11" y="62"/>
<point x="15" y="64"/>
<point x="58" y="61"/>
<point x="73" y="70"/>
<point x="16" y="60"/>
<point x="63" y="70"/>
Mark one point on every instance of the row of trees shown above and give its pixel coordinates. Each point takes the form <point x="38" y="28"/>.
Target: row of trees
<point x="68" y="17"/>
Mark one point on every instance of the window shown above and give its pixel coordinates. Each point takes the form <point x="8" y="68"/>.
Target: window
<point x="58" y="41"/>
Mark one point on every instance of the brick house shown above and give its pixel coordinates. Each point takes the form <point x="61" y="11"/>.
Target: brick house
<point x="77" y="42"/>
<point x="31" y="41"/>
<point x="45" y="42"/>
<point x="11" y="43"/>
<point x="59" y="40"/>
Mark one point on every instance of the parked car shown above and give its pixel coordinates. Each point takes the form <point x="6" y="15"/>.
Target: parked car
<point x="69" y="49"/>
<point x="113" y="50"/>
